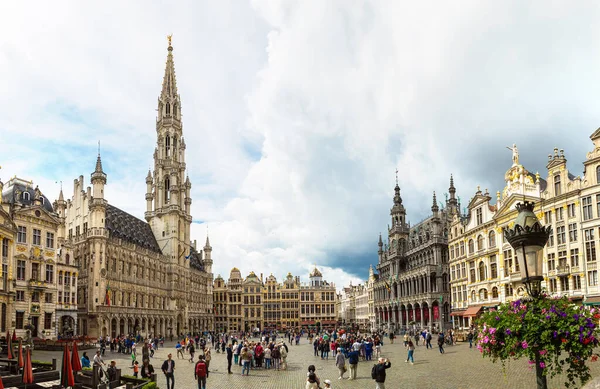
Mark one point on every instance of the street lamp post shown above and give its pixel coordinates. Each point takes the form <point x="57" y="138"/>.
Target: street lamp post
<point x="528" y="238"/>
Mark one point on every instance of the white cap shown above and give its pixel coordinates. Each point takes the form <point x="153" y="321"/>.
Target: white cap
<point x="327" y="382"/>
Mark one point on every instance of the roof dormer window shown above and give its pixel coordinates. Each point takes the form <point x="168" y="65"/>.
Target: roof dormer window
<point x="25" y="196"/>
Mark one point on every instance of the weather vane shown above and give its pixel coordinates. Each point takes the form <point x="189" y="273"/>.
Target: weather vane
<point x="169" y="37"/>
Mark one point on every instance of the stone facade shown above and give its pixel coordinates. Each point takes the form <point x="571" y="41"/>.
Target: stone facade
<point x="38" y="282"/>
<point x="412" y="288"/>
<point x="354" y="306"/>
<point x="254" y="303"/>
<point x="136" y="276"/>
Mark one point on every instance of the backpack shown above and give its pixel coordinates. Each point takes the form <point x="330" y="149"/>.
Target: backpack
<point x="201" y="369"/>
<point x="374" y="372"/>
<point x="312" y="377"/>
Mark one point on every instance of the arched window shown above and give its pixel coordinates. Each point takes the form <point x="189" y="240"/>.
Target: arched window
<point x="175" y="145"/>
<point x="494" y="292"/>
<point x="394" y="245"/>
<point x="25" y="196"/>
<point x="483" y="294"/>
<point x="167" y="190"/>
<point x="473" y="296"/>
<point x="471" y="246"/>
<point x="557" y="185"/>
<point x="168" y="110"/>
<point x="598" y="174"/>
<point x="175" y="110"/>
<point x="482" y="271"/>
<point x="67" y="259"/>
<point x="492" y="239"/>
<point x="462" y="248"/>
<point x="480" y="242"/>
<point x="168" y="146"/>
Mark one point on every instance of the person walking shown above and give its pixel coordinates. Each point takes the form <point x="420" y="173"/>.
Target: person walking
<point x="201" y="372"/>
<point x="168" y="368"/>
<point x="411" y="351"/>
<point x="428" y="339"/>
<point x="441" y="342"/>
<point x="380" y="368"/>
<point x="207" y="358"/>
<point x="191" y="350"/>
<point x="246" y="360"/>
<point x="229" y="357"/>
<point x="340" y="363"/>
<point x="353" y="361"/>
<point x="470" y="338"/>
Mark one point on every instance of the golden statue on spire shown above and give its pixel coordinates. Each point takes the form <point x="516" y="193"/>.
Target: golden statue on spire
<point x="169" y="37"/>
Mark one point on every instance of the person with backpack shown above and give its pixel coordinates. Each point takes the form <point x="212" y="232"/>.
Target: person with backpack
<point x="200" y="373"/>
<point x="312" y="381"/>
<point x="353" y="362"/>
<point x="340" y="363"/>
<point x="428" y="339"/>
<point x="441" y="342"/>
<point x="378" y="372"/>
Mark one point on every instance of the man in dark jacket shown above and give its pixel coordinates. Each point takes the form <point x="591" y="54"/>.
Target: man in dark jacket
<point x="353" y="362"/>
<point x="168" y="368"/>
<point x="229" y="356"/>
<point x="380" y="368"/>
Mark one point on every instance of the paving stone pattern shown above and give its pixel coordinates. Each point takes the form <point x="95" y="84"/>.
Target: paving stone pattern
<point x="460" y="367"/>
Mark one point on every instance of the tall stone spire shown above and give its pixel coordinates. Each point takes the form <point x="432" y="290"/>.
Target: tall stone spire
<point x="169" y="86"/>
<point x="434" y="207"/>
<point x="452" y="204"/>
<point x="168" y="192"/>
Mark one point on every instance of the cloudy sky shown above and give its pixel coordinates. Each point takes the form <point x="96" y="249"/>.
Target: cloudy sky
<point x="297" y="113"/>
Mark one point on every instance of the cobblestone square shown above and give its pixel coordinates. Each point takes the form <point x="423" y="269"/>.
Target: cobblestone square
<point x="459" y="368"/>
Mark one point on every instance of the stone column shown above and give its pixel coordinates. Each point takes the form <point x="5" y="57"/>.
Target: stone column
<point x="414" y="314"/>
<point x="401" y="322"/>
<point x="421" y="308"/>
<point x="430" y="316"/>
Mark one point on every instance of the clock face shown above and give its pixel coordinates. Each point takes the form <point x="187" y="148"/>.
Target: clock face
<point x="103" y="272"/>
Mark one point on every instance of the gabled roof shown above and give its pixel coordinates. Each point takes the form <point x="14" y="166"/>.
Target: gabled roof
<point x="595" y="135"/>
<point x="121" y="224"/>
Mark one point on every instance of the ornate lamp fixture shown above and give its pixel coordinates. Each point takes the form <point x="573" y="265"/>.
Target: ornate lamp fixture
<point x="528" y="238"/>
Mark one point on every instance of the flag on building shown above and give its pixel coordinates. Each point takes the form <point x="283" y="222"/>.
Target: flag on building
<point x="107" y="296"/>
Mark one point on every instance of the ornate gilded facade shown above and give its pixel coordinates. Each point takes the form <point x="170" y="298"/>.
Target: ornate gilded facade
<point x="412" y="288"/>
<point x="38" y="281"/>
<point x="136" y="276"/>
<point x="570" y="204"/>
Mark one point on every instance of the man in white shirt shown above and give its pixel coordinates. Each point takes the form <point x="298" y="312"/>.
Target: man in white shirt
<point x="98" y="361"/>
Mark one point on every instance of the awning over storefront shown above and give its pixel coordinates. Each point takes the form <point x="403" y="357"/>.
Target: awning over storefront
<point x="457" y="313"/>
<point x="592" y="300"/>
<point x="472" y="311"/>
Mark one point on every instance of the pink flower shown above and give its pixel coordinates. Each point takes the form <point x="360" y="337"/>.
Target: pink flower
<point x="486" y="339"/>
<point x="524" y="344"/>
<point x="492" y="330"/>
<point x="542" y="365"/>
<point x="532" y="362"/>
<point x="543" y="352"/>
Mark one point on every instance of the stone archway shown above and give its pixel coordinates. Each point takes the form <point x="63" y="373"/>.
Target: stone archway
<point x="113" y="328"/>
<point x="121" y="327"/>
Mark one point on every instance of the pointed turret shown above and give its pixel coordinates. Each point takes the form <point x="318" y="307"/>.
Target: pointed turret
<point x="452" y="204"/>
<point x="207" y="244"/>
<point x="434" y="206"/>
<point x="98" y="177"/>
<point x="169" y="85"/>
<point x="380" y="244"/>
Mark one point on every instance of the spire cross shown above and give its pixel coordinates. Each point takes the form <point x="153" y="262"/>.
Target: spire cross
<point x="169" y="37"/>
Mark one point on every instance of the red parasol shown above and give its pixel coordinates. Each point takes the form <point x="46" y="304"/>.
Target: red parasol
<point x="9" y="345"/>
<point x="14" y="337"/>
<point x="27" y="369"/>
<point x="21" y="353"/>
<point x="1" y="383"/>
<point x="66" y="372"/>
<point x="75" y="361"/>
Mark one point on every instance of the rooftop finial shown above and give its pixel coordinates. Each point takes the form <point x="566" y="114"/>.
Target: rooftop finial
<point x="169" y="37"/>
<point x="396" y="176"/>
<point x="98" y="147"/>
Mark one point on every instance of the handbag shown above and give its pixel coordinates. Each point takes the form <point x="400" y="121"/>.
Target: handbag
<point x="345" y="368"/>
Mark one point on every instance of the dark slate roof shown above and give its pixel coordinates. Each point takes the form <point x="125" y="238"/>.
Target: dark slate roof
<point x="122" y="225"/>
<point x="196" y="260"/>
<point x="8" y="196"/>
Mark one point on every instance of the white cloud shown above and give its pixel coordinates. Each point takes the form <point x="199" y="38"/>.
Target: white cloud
<point x="333" y="96"/>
